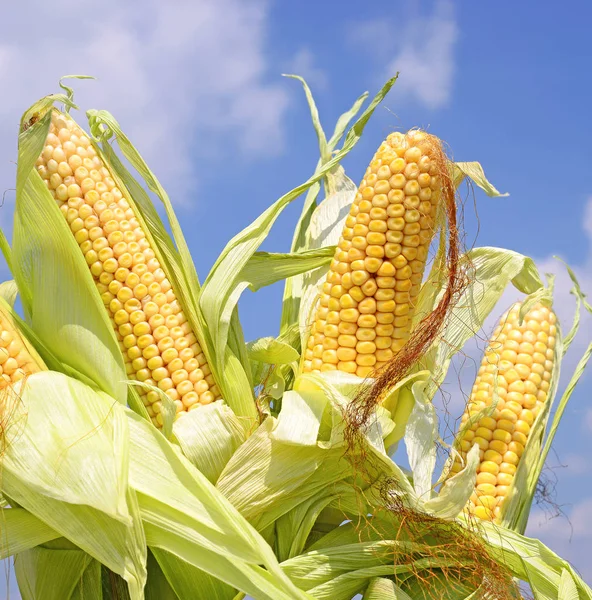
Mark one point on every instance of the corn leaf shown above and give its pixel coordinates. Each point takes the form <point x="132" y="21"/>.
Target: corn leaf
<point x="6" y="250"/>
<point x="209" y="437"/>
<point x="271" y="351"/>
<point x="90" y="585"/>
<point x="22" y="531"/>
<point x="300" y="232"/>
<point x="530" y="560"/>
<point x="185" y="515"/>
<point x="567" y="587"/>
<point x="456" y="491"/>
<point x="51" y="574"/>
<point x="9" y="292"/>
<point x="265" y="268"/>
<point x="300" y="419"/>
<point x="69" y="469"/>
<point x="474" y="171"/>
<point x="293" y="528"/>
<point x="382" y="588"/>
<point x="421" y="435"/>
<point x="157" y="585"/>
<point x="344" y="586"/>
<point x="267" y="478"/>
<point x="184" y="580"/>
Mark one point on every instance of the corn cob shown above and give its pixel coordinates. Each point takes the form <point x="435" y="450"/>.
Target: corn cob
<point x="523" y="356"/>
<point x="156" y="340"/>
<point x="17" y="359"/>
<point x="367" y="300"/>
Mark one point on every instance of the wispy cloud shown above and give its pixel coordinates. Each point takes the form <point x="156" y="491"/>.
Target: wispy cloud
<point x="186" y="79"/>
<point x="422" y="48"/>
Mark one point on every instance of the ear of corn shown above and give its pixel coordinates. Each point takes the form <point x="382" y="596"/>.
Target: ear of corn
<point x="523" y="356"/>
<point x="17" y="358"/>
<point x="367" y="300"/>
<point x="158" y="345"/>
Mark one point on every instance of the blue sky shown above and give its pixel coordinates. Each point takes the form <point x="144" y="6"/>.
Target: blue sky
<point x="197" y="87"/>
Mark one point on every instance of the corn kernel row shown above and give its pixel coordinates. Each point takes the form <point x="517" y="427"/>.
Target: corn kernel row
<point x="524" y="357"/>
<point x="365" y="309"/>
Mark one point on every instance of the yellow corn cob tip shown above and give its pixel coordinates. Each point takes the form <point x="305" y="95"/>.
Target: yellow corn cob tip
<point x="365" y="309"/>
<point x="523" y="356"/>
<point x="156" y="340"/>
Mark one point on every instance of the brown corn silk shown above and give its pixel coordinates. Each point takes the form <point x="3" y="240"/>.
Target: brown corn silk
<point x="517" y="366"/>
<point x="364" y="315"/>
<point x="158" y="345"/>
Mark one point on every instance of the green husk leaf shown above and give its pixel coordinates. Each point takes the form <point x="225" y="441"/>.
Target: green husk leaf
<point x="271" y="351"/>
<point x="90" y="586"/>
<point x="183" y="579"/>
<point x="22" y="531"/>
<point x="51" y="574"/>
<point x="9" y="292"/>
<point x="382" y="588"/>
<point x="421" y="435"/>
<point x="530" y="560"/>
<point x="266" y="478"/>
<point x="569" y="338"/>
<point x="157" y="585"/>
<point x="456" y="491"/>
<point x="567" y="587"/>
<point x="209" y="436"/>
<point x="185" y="515"/>
<point x="265" y="268"/>
<point x="292" y="529"/>
<point x="6" y="250"/>
<point x="69" y="469"/>
<point x="300" y="418"/>
<point x="474" y="171"/>
<point x="70" y="91"/>
<point x="577" y="286"/>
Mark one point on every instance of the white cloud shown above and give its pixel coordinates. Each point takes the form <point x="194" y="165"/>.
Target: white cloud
<point x="185" y="79"/>
<point x="422" y="49"/>
<point x="426" y="57"/>
<point x="304" y="64"/>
